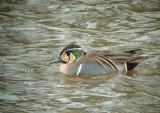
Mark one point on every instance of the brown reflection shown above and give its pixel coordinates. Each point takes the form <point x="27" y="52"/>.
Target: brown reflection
<point x="132" y="73"/>
<point x="87" y="82"/>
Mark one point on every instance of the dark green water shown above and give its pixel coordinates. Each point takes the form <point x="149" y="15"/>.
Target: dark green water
<point x="33" y="32"/>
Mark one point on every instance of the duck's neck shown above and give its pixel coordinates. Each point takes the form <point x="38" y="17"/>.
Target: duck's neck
<point x="65" y="69"/>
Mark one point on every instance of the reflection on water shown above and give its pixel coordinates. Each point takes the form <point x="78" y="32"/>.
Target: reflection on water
<point x="34" y="32"/>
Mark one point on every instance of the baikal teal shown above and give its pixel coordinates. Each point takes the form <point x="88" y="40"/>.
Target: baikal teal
<point x="76" y="62"/>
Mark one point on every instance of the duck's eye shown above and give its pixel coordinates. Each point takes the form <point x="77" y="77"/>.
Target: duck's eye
<point x="68" y="53"/>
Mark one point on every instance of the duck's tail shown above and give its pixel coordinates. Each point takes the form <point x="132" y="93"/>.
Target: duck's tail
<point x="131" y="64"/>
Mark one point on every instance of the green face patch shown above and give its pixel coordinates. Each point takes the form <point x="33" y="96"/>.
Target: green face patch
<point x="78" y="53"/>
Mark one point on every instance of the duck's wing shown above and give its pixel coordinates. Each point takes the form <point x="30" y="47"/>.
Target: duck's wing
<point x="100" y="58"/>
<point x="112" y="59"/>
<point x="116" y="57"/>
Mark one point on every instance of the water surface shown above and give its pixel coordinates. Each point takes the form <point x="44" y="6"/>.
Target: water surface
<point x="33" y="32"/>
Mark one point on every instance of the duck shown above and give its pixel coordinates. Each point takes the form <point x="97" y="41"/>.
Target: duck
<point x="76" y="62"/>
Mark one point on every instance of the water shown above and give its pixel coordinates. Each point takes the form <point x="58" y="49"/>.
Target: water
<point x="33" y="32"/>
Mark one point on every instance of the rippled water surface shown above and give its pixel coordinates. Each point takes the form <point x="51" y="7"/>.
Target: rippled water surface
<point x="33" y="32"/>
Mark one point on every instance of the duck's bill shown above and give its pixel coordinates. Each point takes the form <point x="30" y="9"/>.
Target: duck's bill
<point x="56" y="61"/>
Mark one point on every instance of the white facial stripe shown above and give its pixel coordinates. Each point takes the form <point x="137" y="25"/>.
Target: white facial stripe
<point x="73" y="49"/>
<point x="79" y="69"/>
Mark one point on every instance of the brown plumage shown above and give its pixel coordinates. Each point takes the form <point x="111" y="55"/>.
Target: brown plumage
<point x="114" y="58"/>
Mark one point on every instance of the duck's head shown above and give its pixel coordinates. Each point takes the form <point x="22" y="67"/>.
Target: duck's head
<point x="70" y="54"/>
